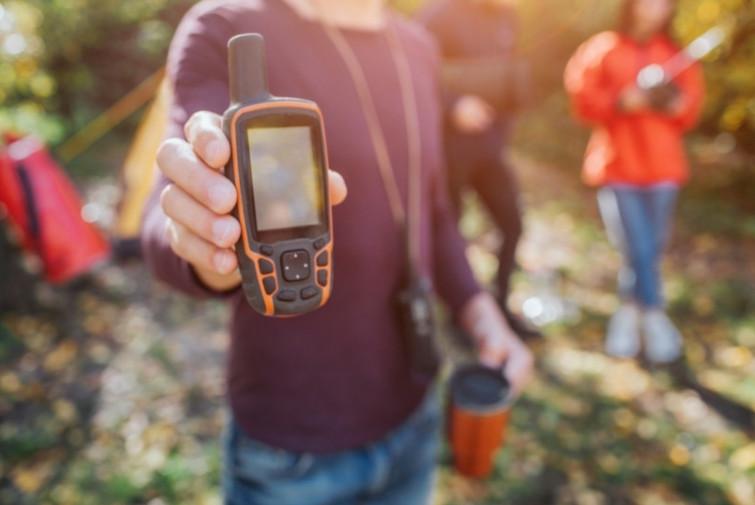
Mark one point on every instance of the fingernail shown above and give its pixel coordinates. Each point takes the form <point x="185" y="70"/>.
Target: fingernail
<point x="212" y="150"/>
<point x="221" y="229"/>
<point x="222" y="261"/>
<point x="220" y="195"/>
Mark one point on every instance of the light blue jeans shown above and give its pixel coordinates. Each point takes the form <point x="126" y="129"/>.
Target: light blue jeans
<point x="638" y="222"/>
<point x="399" y="469"/>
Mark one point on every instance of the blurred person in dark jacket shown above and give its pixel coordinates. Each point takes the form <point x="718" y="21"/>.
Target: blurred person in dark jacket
<point x="484" y="86"/>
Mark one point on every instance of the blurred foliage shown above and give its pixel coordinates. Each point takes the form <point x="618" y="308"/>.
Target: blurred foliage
<point x="64" y="62"/>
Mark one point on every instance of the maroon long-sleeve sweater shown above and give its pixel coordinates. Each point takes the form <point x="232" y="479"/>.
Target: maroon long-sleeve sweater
<point x="337" y="377"/>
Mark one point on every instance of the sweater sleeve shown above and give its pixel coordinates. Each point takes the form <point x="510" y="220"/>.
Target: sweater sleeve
<point x="197" y="71"/>
<point x="454" y="279"/>
<point x="593" y="99"/>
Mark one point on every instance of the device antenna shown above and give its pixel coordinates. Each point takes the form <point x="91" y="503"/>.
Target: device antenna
<point x="246" y="67"/>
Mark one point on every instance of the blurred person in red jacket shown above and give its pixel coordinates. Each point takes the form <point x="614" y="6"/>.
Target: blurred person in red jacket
<point x="636" y="157"/>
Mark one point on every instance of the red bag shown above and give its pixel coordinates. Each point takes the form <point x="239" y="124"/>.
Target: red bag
<point x="44" y="207"/>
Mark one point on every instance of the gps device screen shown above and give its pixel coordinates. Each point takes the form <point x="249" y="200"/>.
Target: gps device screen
<point x="285" y="178"/>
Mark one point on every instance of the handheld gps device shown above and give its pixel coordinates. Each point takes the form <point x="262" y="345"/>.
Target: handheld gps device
<point x="279" y="168"/>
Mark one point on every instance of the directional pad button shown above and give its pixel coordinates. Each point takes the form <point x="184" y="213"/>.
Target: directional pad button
<point x="296" y="265"/>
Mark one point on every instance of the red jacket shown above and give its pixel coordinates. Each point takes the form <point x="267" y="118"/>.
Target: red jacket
<point x="642" y="147"/>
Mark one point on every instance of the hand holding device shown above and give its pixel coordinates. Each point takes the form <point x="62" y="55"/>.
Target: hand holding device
<point x="657" y="81"/>
<point x="660" y="91"/>
<point x="279" y="169"/>
<point x="199" y="199"/>
<point x="662" y="96"/>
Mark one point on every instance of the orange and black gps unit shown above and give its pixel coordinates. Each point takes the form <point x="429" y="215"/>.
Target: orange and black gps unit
<point x="279" y="167"/>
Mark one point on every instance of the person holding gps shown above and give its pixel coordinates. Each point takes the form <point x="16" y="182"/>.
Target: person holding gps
<point x="326" y="407"/>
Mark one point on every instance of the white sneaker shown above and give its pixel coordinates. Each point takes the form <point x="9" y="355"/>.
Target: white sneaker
<point x="623" y="334"/>
<point x="663" y="342"/>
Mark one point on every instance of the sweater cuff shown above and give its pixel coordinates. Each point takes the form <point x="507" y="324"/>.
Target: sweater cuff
<point x="201" y="289"/>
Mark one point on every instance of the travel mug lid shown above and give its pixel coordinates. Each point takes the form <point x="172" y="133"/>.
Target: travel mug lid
<point x="478" y="388"/>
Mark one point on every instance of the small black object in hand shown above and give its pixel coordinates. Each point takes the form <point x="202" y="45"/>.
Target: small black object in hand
<point x="661" y="96"/>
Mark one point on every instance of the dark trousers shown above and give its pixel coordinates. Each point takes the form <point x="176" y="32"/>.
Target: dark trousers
<point x="479" y="162"/>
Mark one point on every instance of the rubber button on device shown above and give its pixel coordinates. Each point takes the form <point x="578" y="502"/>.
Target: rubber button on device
<point x="322" y="259"/>
<point x="322" y="277"/>
<point x="295" y="265"/>
<point x="319" y="243"/>
<point x="309" y="292"/>
<point x="267" y="250"/>
<point x="266" y="266"/>
<point x="287" y="295"/>
<point x="269" y="284"/>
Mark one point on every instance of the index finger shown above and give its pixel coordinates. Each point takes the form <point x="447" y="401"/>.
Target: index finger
<point x="204" y="132"/>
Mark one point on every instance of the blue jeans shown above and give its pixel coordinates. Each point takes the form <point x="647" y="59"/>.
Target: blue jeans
<point x="399" y="469"/>
<point x="638" y="222"/>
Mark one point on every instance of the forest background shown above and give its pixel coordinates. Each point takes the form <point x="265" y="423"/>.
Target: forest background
<point x="111" y="391"/>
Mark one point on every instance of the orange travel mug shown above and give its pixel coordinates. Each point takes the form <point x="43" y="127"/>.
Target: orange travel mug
<point x="479" y="402"/>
